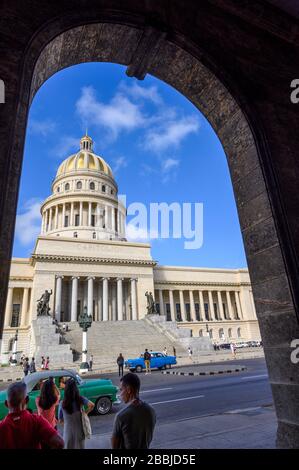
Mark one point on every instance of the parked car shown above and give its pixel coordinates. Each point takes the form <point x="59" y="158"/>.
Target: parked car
<point x="100" y="391"/>
<point x="158" y="361"/>
<point x="224" y="345"/>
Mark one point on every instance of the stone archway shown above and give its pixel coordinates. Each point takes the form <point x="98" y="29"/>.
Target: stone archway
<point x="148" y="50"/>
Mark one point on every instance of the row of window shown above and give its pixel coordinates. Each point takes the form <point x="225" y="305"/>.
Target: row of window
<point x="91" y="186"/>
<point x="197" y="312"/>
<point x="221" y="334"/>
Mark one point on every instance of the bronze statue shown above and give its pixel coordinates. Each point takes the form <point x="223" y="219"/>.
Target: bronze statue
<point x="151" y="307"/>
<point x="43" y="308"/>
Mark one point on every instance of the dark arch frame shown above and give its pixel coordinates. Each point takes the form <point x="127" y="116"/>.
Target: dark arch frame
<point x="145" y="48"/>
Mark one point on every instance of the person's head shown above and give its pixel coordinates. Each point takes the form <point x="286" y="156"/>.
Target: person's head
<point x="71" y="396"/>
<point x="146" y="350"/>
<point x="32" y="359"/>
<point x="47" y="358"/>
<point x="120" y="355"/>
<point x="129" y="387"/>
<point x="17" y="398"/>
<point x="47" y="394"/>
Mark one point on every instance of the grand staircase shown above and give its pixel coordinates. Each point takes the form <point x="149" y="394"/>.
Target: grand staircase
<point x="107" y="339"/>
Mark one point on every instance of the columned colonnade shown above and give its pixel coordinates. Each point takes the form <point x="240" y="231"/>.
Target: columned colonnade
<point x="25" y="303"/>
<point x="98" y="294"/>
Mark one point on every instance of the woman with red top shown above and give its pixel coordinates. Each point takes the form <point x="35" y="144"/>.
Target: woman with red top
<point x="47" y="401"/>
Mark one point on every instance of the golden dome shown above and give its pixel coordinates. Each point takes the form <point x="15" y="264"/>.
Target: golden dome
<point x="84" y="160"/>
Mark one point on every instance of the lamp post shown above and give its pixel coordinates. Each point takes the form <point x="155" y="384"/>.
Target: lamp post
<point x="14" y="350"/>
<point x="85" y="322"/>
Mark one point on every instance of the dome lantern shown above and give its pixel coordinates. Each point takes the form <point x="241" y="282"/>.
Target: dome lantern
<point x="86" y="143"/>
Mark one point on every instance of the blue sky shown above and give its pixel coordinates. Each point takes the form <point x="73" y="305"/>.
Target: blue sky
<point x="160" y="147"/>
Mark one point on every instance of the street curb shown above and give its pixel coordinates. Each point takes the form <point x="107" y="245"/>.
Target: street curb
<point x="227" y="371"/>
<point x="11" y="380"/>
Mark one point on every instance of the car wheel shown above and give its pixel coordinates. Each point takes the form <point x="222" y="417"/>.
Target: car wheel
<point x="103" y="405"/>
<point x="139" y="369"/>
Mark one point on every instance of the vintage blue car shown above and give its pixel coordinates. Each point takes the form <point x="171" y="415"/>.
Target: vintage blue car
<point x="158" y="361"/>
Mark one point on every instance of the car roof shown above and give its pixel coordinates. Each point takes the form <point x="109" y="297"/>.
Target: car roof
<point x="48" y="373"/>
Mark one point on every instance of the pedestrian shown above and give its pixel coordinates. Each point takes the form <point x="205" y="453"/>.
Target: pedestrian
<point x="134" y="425"/>
<point x="90" y="361"/>
<point x="174" y="351"/>
<point x="47" y="363"/>
<point x="120" y="362"/>
<point x="215" y="346"/>
<point x="42" y="366"/>
<point x="147" y="361"/>
<point x="22" y="360"/>
<point x="165" y="351"/>
<point x="22" y="429"/>
<point x="47" y="402"/>
<point x="190" y="352"/>
<point x="64" y="327"/>
<point x="233" y="350"/>
<point x="70" y="414"/>
<point x="32" y="367"/>
<point x="26" y="366"/>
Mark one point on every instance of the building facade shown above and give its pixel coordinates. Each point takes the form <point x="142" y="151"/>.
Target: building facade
<point x="83" y="258"/>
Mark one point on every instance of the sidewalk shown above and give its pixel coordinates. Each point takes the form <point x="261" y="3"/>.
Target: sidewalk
<point x="251" y="428"/>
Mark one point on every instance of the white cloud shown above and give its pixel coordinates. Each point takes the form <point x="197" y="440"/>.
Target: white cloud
<point x="138" y="92"/>
<point x="170" y="133"/>
<point x="66" y="145"/>
<point x="120" y="114"/>
<point x="139" y="234"/>
<point x="120" y="162"/>
<point x="42" y="128"/>
<point x="169" y="164"/>
<point x="28" y="224"/>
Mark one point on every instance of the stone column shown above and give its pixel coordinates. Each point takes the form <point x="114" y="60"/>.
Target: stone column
<point x="72" y="215"/>
<point x="161" y="302"/>
<point x="90" y="296"/>
<point x="239" y="310"/>
<point x="192" y="306"/>
<point x="50" y="219"/>
<point x="105" y="298"/>
<point x="211" y="306"/>
<point x="201" y="306"/>
<point x="113" y="302"/>
<point x="8" y="310"/>
<point x="220" y="306"/>
<point x="100" y="302"/>
<point x="118" y="220"/>
<point x="106" y="217"/>
<point x="172" y="309"/>
<point x="58" y="294"/>
<point x="24" y="306"/>
<point x="56" y="218"/>
<point x="74" y="306"/>
<point x="119" y="299"/>
<point x="182" y="305"/>
<point x="63" y="215"/>
<point x="229" y="306"/>
<point x="89" y="214"/>
<point x="134" y="299"/>
<point x="81" y="214"/>
<point x="112" y="219"/>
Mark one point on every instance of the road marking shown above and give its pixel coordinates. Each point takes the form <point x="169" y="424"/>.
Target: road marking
<point x="157" y="390"/>
<point x="254" y="376"/>
<point x="243" y="410"/>
<point x="178" y="399"/>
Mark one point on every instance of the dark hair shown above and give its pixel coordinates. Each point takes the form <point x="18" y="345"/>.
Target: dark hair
<point x="131" y="380"/>
<point x="16" y="393"/>
<point x="48" y="395"/>
<point x="71" y="397"/>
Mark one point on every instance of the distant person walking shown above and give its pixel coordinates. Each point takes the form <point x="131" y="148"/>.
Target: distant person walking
<point x="22" y="429"/>
<point x="42" y="364"/>
<point x="47" y="362"/>
<point x="190" y="352"/>
<point x="70" y="414"/>
<point x="233" y="350"/>
<point x="147" y="361"/>
<point x="134" y="425"/>
<point x="120" y="362"/>
<point x="32" y="367"/>
<point x="174" y="351"/>
<point x="26" y="366"/>
<point x="90" y="361"/>
<point x="165" y="351"/>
